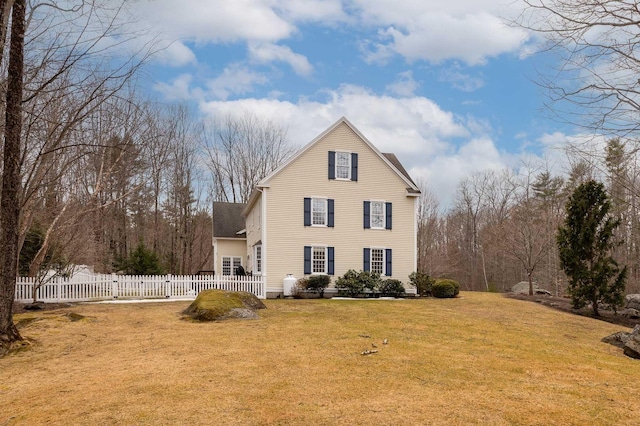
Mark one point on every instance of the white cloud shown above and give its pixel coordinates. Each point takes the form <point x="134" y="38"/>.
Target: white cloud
<point x="460" y="80"/>
<point x="235" y="79"/>
<point x="269" y="52"/>
<point x="444" y="173"/>
<point x="179" y="89"/>
<point x="206" y="21"/>
<point x="404" y="86"/>
<point x="325" y="11"/>
<point x="175" y="54"/>
<point x="470" y="31"/>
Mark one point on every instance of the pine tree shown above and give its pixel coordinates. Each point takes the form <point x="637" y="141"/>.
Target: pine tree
<point x="142" y="261"/>
<point x="585" y="243"/>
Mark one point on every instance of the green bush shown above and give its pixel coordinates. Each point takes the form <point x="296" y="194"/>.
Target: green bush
<point x="318" y="283"/>
<point x="350" y="283"/>
<point x="444" y="288"/>
<point x="391" y="287"/>
<point x="422" y="282"/>
<point x="370" y="280"/>
<point x="355" y="283"/>
<point x="142" y="261"/>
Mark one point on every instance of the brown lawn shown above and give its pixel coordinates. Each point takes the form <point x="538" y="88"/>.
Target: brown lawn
<point x="477" y="359"/>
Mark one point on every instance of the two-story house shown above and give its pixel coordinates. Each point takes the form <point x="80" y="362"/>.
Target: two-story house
<point x="337" y="204"/>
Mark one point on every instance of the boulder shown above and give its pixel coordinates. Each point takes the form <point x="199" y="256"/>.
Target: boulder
<point x="629" y="342"/>
<point x="617" y="339"/>
<point x="630" y="313"/>
<point x="633" y="301"/>
<point x="216" y="305"/>
<point x="632" y="348"/>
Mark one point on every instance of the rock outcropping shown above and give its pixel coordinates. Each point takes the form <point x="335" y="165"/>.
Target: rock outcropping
<point x="216" y="305"/>
<point x="629" y="342"/>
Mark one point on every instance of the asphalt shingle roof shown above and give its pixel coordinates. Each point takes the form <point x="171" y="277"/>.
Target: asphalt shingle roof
<point x="228" y="220"/>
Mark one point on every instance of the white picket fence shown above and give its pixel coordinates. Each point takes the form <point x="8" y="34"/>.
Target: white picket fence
<point x="107" y="287"/>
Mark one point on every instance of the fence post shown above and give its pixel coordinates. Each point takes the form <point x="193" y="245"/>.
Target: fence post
<point x="58" y="289"/>
<point x="167" y="281"/>
<point x="114" y="286"/>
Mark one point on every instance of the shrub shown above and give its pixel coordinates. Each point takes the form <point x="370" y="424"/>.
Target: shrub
<point x="318" y="283"/>
<point x="391" y="287"/>
<point x="422" y="282"/>
<point x="370" y="280"/>
<point x="444" y="288"/>
<point x="301" y="285"/>
<point x="350" y="283"/>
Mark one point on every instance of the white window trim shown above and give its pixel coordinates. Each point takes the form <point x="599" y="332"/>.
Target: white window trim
<point x="257" y="270"/>
<point x="348" y="167"/>
<point x="326" y="212"/>
<point x="384" y="214"/>
<point x="231" y="259"/>
<point x="326" y="258"/>
<point x="384" y="259"/>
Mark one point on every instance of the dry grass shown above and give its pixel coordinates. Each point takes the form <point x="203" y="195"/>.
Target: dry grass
<point x="478" y="359"/>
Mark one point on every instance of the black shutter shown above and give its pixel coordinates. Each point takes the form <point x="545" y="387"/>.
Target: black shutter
<point x="307" y="259"/>
<point x="330" y="264"/>
<point x="330" y="213"/>
<point x="366" y="265"/>
<point x="332" y="164"/>
<point x="387" y="255"/>
<point x="354" y="167"/>
<point x="388" y="215"/>
<point x="367" y="214"/>
<point x="307" y="212"/>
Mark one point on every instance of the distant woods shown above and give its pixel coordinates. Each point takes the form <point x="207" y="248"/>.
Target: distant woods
<point x="502" y="227"/>
<point x="131" y="172"/>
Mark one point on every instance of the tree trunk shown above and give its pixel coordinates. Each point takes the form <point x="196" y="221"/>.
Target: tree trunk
<point x="10" y="203"/>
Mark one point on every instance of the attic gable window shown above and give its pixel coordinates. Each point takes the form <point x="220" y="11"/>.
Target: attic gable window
<point x="343" y="165"/>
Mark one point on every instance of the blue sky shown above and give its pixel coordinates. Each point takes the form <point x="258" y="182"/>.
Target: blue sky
<point x="445" y="85"/>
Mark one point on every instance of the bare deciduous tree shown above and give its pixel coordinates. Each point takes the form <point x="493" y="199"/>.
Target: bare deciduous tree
<point x="595" y="84"/>
<point x="240" y="152"/>
<point x="10" y="203"/>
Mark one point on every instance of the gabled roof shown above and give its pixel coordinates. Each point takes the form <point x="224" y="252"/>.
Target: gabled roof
<point x="228" y="220"/>
<point x="389" y="159"/>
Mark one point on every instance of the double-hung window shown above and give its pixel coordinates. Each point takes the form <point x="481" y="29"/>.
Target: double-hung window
<point x="230" y="264"/>
<point x="343" y="165"/>
<point x="257" y="259"/>
<point x="318" y="212"/>
<point x="319" y="260"/>
<point x="377" y="215"/>
<point x="378" y="260"/>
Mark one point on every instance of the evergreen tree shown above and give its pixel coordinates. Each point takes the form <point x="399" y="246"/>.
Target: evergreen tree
<point x="142" y="261"/>
<point x="585" y="242"/>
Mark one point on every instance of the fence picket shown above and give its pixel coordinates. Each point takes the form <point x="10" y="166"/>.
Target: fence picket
<point x="106" y="287"/>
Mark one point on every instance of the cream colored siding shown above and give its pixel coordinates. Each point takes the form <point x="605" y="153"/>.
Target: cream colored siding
<point x="307" y="176"/>
<point x="229" y="247"/>
<point x="254" y="225"/>
<point x="254" y="231"/>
